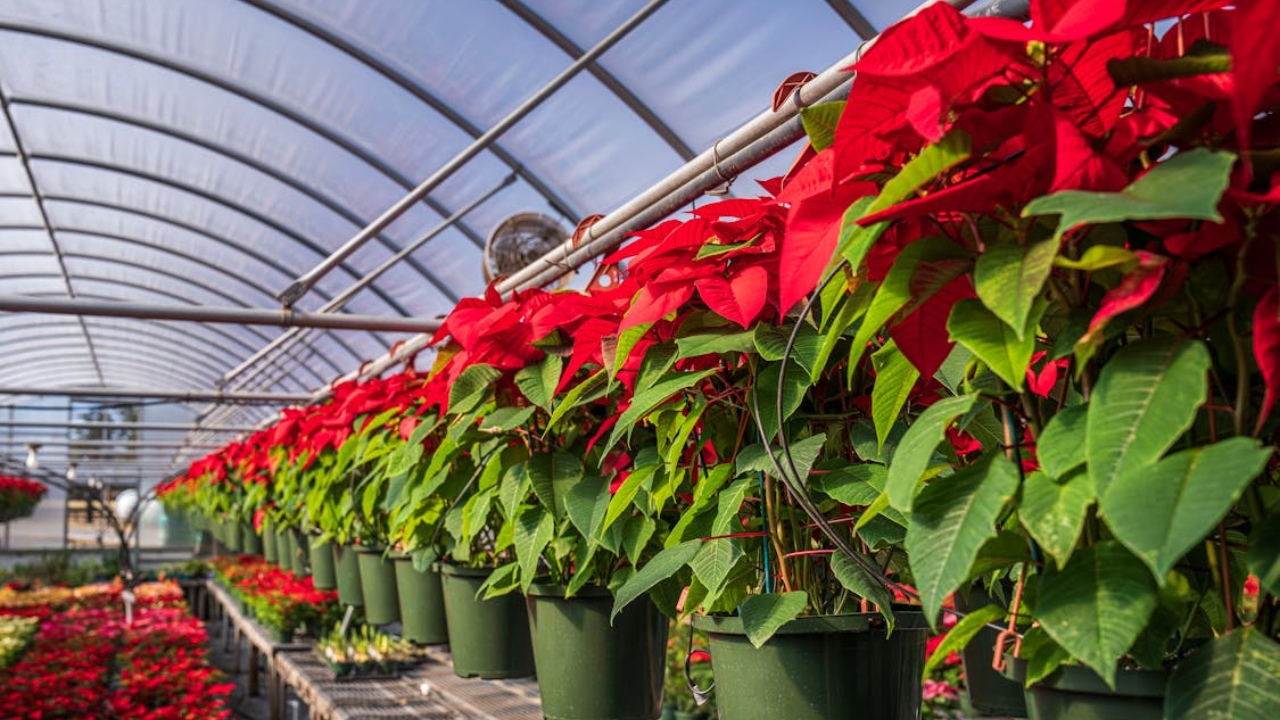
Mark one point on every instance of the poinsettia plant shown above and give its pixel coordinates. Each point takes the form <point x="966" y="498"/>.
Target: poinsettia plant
<point x="1077" y="215"/>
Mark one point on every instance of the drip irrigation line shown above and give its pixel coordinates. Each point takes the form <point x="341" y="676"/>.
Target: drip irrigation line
<point x="794" y="483"/>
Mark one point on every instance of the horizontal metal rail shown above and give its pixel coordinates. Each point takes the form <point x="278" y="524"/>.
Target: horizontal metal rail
<point x="204" y="313"/>
<point x="158" y="394"/>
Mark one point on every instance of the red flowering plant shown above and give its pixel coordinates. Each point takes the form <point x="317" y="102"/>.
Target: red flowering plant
<point x="1076" y="217"/>
<point x="347" y="478"/>
<point x="281" y="601"/>
<point x="19" y="496"/>
<point x="528" y="485"/>
<point x="86" y="662"/>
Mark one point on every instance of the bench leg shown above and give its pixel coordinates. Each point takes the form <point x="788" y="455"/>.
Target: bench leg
<point x="253" y="670"/>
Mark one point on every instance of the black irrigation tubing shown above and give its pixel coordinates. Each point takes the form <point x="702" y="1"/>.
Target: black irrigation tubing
<point x="794" y="483"/>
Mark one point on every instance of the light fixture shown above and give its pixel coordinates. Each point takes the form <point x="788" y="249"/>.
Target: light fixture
<point x="71" y="472"/>
<point x="33" y="462"/>
<point x="94" y="482"/>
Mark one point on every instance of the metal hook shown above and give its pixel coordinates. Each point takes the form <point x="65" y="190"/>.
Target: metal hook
<point x="715" y="164"/>
<point x="700" y="695"/>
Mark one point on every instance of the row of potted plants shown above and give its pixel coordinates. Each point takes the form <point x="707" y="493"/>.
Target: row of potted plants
<point x="280" y="601"/>
<point x="19" y="497"/>
<point x="85" y="661"/>
<point x="1007" y="330"/>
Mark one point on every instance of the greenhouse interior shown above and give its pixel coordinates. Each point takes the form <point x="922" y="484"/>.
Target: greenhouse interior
<point x="639" y="359"/>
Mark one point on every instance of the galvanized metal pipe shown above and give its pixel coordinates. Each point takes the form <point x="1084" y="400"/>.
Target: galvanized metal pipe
<point x="158" y="394"/>
<point x="122" y="425"/>
<point x="299" y="287"/>
<point x="341" y="299"/>
<point x="203" y="313"/>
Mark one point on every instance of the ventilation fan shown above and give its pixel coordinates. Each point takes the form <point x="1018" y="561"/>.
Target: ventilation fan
<point x="518" y="241"/>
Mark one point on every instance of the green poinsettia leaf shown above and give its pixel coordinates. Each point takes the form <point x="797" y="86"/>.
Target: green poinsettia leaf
<point x="859" y="582"/>
<point x="1060" y="447"/>
<point x="1053" y="512"/>
<point x="949" y="523"/>
<point x="820" y="123"/>
<point x="895" y="378"/>
<point x="1187" y="185"/>
<point x="534" y="527"/>
<point x="1161" y="511"/>
<point x="1009" y="278"/>
<point x="1235" y="677"/>
<point x="715" y="561"/>
<point x="961" y="633"/>
<point x="471" y="387"/>
<point x="1097" y="605"/>
<point x="995" y="343"/>
<point x="762" y="615"/>
<point x="914" y="452"/>
<point x="663" y="566"/>
<point x="1145" y="398"/>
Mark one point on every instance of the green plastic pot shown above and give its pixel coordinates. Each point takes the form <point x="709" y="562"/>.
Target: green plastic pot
<point x="250" y="541"/>
<point x="269" y="544"/>
<point x="284" y="548"/>
<point x="421" y="602"/>
<point x="300" y="556"/>
<point x="378" y="585"/>
<point x="989" y="692"/>
<point x="488" y="638"/>
<point x="230" y="536"/>
<point x="323" y="574"/>
<point x="1075" y="692"/>
<point x="589" y="668"/>
<point x="347" y="567"/>
<point x="836" y="667"/>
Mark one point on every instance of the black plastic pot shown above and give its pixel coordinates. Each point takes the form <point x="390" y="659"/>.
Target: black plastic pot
<point x="347" y="569"/>
<point x="589" y="668"/>
<point x="487" y="638"/>
<point x="421" y="602"/>
<point x="1077" y="693"/>
<point x="839" y="667"/>
<point x="378" y="585"/>
<point x="989" y="692"/>
<point x="323" y="574"/>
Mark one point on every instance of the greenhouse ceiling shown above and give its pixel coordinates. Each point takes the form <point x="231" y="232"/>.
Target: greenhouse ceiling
<point x="208" y="153"/>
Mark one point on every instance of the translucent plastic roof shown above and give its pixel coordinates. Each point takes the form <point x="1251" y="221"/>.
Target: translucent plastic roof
<point x="209" y="151"/>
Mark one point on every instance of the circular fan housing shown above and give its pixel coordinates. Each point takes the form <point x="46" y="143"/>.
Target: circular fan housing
<point x="518" y="241"/>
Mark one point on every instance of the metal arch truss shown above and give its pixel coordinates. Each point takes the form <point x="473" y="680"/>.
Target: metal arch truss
<point x="304" y="189"/>
<point x="327" y="133"/>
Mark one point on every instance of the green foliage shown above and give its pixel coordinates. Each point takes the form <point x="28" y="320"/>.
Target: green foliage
<point x="1146" y="397"/>
<point x="1235" y="677"/>
<point x="762" y="615"/>
<point x="1096" y="606"/>
<point x="948" y="524"/>
<point x="1188" y="185"/>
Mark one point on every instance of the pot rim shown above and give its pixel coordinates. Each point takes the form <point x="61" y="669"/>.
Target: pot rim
<point x="1132" y="682"/>
<point x="550" y="591"/>
<point x="451" y="570"/>
<point x="817" y="624"/>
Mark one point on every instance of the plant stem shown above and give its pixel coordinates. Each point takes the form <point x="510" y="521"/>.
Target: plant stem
<point x="774" y="530"/>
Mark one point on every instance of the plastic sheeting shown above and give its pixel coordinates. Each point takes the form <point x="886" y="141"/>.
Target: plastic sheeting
<point x="209" y="151"/>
